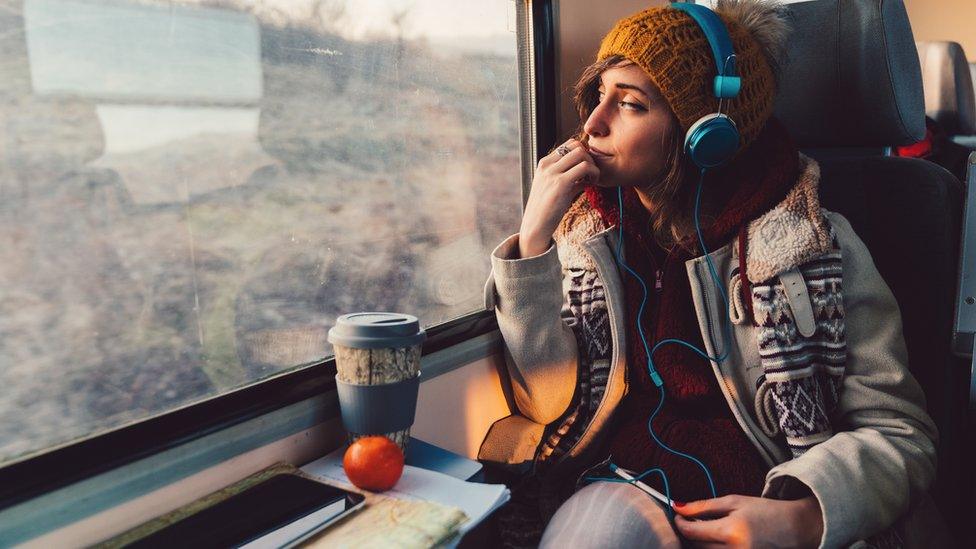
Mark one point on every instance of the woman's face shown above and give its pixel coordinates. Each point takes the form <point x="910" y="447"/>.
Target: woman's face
<point x="629" y="131"/>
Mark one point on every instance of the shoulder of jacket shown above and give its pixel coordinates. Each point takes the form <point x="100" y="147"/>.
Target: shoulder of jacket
<point x="841" y="226"/>
<point x="847" y="239"/>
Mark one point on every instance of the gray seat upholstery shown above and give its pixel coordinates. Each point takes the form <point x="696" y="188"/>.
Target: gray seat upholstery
<point x="969" y="141"/>
<point x="948" y="85"/>
<point x="950" y="107"/>
<point x="853" y="80"/>
<point x="972" y="73"/>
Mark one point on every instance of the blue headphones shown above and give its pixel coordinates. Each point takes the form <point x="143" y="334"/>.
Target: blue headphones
<point x="714" y="139"/>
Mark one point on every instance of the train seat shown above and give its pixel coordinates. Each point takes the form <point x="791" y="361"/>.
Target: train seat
<point x="950" y="106"/>
<point x="969" y="141"/>
<point x="843" y="87"/>
<point x="948" y="87"/>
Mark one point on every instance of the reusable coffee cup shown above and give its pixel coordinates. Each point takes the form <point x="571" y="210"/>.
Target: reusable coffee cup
<point x="378" y="364"/>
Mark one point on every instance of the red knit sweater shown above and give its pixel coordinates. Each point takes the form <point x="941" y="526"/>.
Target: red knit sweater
<point x="695" y="419"/>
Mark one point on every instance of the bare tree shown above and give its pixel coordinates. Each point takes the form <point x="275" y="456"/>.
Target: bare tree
<point x="399" y="18"/>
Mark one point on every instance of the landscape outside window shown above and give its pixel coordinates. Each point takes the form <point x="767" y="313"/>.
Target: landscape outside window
<point x="191" y="192"/>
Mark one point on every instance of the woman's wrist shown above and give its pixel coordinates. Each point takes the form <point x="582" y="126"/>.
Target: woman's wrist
<point x="810" y="520"/>
<point x="531" y="251"/>
<point x="531" y="245"/>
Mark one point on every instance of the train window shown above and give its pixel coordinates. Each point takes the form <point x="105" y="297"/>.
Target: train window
<point x="192" y="191"/>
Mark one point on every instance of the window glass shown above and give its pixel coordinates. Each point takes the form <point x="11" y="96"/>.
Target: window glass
<point x="191" y="192"/>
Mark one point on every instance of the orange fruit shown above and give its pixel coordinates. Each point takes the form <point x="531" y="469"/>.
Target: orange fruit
<point x="373" y="463"/>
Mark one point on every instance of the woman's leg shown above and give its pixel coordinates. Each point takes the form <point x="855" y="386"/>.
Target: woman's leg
<point x="609" y="514"/>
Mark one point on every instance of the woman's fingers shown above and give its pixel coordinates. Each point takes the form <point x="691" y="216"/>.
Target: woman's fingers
<point x="559" y="152"/>
<point x="574" y="156"/>
<point x="569" y="145"/>
<point x="584" y="171"/>
<point x="709" y="544"/>
<point x="709" y="507"/>
<point x="576" y="165"/>
<point x="704" y="530"/>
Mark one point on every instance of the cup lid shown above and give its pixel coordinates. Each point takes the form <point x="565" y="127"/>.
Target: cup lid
<point x="376" y="330"/>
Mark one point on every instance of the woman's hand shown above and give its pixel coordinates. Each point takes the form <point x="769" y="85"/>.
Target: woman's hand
<point x="744" y="521"/>
<point x="558" y="180"/>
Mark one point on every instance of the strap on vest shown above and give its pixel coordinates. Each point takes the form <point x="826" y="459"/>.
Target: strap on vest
<point x="799" y="298"/>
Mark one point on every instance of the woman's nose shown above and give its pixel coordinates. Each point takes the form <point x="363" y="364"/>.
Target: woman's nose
<point x="596" y="125"/>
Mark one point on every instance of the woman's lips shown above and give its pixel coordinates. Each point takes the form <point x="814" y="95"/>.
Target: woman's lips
<point x="597" y="152"/>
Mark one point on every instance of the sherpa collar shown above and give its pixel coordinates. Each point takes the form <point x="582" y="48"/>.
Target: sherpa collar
<point x="790" y="234"/>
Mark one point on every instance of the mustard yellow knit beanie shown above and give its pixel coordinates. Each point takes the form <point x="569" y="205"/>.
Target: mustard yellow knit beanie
<point x="672" y="49"/>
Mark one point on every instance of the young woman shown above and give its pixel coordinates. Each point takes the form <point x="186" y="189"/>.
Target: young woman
<point x="785" y="416"/>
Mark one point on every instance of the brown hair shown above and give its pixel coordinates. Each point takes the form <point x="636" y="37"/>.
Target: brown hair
<point x="672" y="220"/>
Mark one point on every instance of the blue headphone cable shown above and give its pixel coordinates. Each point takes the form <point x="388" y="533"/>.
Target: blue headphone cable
<point x="652" y="371"/>
<point x="726" y="86"/>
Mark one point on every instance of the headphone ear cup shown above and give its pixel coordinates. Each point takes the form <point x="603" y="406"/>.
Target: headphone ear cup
<point x="712" y="141"/>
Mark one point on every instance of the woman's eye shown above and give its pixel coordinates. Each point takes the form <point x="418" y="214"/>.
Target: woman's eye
<point x="623" y="104"/>
<point x="632" y="106"/>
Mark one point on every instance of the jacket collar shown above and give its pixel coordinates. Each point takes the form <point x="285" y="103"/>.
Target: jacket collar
<point x="792" y="233"/>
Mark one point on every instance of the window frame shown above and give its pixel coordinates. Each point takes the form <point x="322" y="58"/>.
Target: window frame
<point x="22" y="480"/>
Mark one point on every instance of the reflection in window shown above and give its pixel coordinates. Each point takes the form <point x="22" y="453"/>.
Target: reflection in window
<point x="191" y="192"/>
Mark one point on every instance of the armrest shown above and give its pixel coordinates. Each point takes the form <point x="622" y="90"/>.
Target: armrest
<point x="511" y="444"/>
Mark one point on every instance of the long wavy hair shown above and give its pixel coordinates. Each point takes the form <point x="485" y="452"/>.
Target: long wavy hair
<point x="672" y="219"/>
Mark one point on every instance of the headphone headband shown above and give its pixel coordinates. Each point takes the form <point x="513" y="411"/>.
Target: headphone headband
<point x="714" y="139"/>
<point x="727" y="82"/>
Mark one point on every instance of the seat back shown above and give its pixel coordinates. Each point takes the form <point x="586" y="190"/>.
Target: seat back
<point x="950" y="106"/>
<point x="948" y="87"/>
<point x="853" y="80"/>
<point x="968" y="141"/>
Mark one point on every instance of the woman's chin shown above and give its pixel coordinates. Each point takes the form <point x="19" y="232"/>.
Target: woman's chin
<point x="607" y="179"/>
<point x="604" y="182"/>
<point x="601" y="180"/>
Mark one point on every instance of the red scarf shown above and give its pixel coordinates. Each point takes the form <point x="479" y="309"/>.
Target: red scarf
<point x="695" y="418"/>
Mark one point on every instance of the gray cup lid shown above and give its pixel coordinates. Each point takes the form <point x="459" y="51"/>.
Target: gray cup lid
<point x="374" y="330"/>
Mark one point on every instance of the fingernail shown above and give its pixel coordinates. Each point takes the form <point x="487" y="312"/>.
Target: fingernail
<point x="678" y="503"/>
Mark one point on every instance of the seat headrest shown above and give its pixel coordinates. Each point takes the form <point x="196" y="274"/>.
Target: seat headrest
<point x="948" y="85"/>
<point x="851" y="78"/>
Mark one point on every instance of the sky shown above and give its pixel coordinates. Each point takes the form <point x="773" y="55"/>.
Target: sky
<point x="431" y="18"/>
<point x="439" y="18"/>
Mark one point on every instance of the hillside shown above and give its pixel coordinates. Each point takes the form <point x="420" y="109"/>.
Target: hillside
<point x="139" y="282"/>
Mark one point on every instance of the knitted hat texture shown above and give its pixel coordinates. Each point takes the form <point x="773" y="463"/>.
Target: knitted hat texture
<point x="672" y="49"/>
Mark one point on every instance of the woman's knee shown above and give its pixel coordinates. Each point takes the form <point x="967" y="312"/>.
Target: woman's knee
<point x="610" y="514"/>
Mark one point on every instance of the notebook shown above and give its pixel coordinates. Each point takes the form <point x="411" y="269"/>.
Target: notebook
<point x="434" y="458"/>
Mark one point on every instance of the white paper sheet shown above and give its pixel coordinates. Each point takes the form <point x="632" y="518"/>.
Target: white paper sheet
<point x="477" y="500"/>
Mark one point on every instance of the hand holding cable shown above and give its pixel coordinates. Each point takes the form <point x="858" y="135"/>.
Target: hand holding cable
<point x="746" y="521"/>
